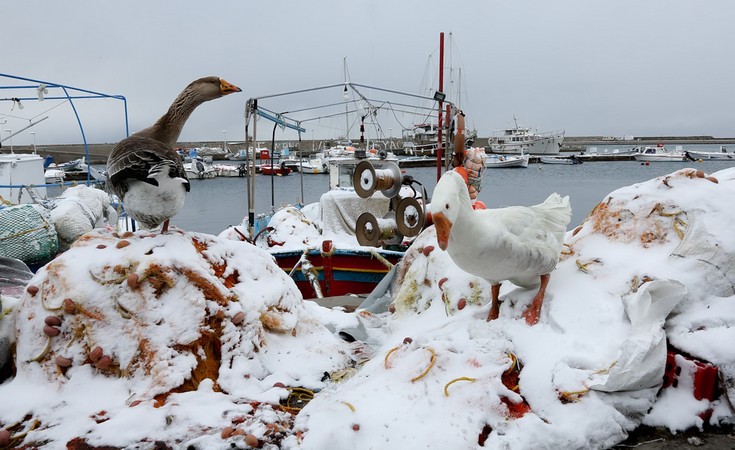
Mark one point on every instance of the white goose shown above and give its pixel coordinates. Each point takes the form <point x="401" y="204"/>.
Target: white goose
<point x="145" y="172"/>
<point x="517" y="243"/>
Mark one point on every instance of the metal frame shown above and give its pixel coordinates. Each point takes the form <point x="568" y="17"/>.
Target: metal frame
<point x="255" y="109"/>
<point x="70" y="93"/>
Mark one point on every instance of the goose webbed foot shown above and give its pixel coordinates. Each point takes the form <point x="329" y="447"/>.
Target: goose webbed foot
<point x="495" y="305"/>
<point x="533" y="312"/>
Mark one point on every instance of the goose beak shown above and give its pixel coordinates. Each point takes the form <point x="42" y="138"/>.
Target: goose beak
<point x="228" y="88"/>
<point x="443" y="229"/>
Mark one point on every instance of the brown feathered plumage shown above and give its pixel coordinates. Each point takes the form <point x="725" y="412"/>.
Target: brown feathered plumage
<point x="145" y="172"/>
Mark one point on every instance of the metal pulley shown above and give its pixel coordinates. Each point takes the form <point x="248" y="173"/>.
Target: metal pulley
<point x="410" y="217"/>
<point x="367" y="179"/>
<point x="373" y="232"/>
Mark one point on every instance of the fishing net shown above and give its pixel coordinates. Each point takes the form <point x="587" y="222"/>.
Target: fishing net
<point x="27" y="234"/>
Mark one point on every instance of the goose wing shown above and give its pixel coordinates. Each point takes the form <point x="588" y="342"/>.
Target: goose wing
<point x="144" y="159"/>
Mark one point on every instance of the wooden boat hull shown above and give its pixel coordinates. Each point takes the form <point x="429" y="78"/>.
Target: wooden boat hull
<point x="339" y="271"/>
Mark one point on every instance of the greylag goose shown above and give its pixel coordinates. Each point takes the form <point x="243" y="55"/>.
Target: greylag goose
<point x="517" y="243"/>
<point x="145" y="172"/>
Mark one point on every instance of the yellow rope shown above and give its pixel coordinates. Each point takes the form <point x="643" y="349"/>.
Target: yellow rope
<point x="678" y="231"/>
<point x="22" y="233"/>
<point x="298" y="394"/>
<point x="428" y="368"/>
<point x="43" y="300"/>
<point x="43" y="352"/>
<point x="514" y="362"/>
<point x="380" y="258"/>
<point x="387" y="355"/>
<point x="582" y="266"/>
<point x="17" y="439"/>
<point x="349" y="405"/>
<point x="446" y="386"/>
<point x="573" y="396"/>
<point x="387" y="365"/>
<point x="4" y="201"/>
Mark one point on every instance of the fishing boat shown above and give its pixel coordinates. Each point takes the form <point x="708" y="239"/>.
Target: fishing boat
<point x="564" y="160"/>
<point x="606" y="154"/>
<point x="21" y="174"/>
<point x="519" y="139"/>
<point x="200" y="168"/>
<point x="506" y="161"/>
<point x="54" y="176"/>
<point x="277" y="170"/>
<point x="67" y="166"/>
<point x="315" y="164"/>
<point x="231" y="170"/>
<point x="357" y="234"/>
<point x="272" y="164"/>
<point x="722" y="155"/>
<point x="370" y="212"/>
<point x="420" y="140"/>
<point x="658" y="153"/>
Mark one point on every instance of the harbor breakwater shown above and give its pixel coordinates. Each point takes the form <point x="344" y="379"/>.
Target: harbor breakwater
<point x="98" y="152"/>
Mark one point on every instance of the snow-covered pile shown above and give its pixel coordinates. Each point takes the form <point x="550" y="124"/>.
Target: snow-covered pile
<point x="590" y="371"/>
<point x="78" y="210"/>
<point x="199" y="329"/>
<point x="161" y="337"/>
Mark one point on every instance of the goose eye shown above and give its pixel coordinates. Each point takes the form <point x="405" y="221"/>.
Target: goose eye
<point x="446" y="206"/>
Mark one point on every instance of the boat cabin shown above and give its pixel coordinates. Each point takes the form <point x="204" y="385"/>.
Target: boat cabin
<point x="18" y="171"/>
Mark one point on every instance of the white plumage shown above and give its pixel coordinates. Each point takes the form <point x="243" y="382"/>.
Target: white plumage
<point x="519" y="244"/>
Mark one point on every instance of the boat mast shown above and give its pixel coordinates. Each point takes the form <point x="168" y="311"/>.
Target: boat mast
<point x="347" y="98"/>
<point x="439" y="149"/>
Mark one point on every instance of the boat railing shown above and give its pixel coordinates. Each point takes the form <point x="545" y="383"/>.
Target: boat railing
<point x="502" y="134"/>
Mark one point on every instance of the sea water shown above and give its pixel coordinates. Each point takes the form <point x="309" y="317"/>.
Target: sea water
<point x="214" y="204"/>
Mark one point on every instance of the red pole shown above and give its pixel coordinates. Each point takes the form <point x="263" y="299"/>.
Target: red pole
<point x="439" y="149"/>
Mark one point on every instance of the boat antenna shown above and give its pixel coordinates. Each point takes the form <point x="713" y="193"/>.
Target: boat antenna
<point x="301" y="166"/>
<point x="347" y="98"/>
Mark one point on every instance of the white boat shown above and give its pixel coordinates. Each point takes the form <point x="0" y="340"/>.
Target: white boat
<point x="658" y="153"/>
<point x="211" y="151"/>
<point x="722" y="155"/>
<point x="606" y="154"/>
<point x="568" y="160"/>
<point x="230" y="170"/>
<point x="420" y="140"/>
<point x="506" y="161"/>
<point x="21" y="176"/>
<point x="200" y="168"/>
<point x="54" y="176"/>
<point x="341" y="152"/>
<point x="315" y="164"/>
<point x="523" y="140"/>
<point x="240" y="155"/>
<point x="69" y="165"/>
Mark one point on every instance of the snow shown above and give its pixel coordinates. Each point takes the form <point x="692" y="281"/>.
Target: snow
<point x="208" y="337"/>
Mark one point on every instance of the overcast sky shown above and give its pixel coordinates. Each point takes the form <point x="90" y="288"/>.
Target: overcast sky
<point x="622" y="67"/>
